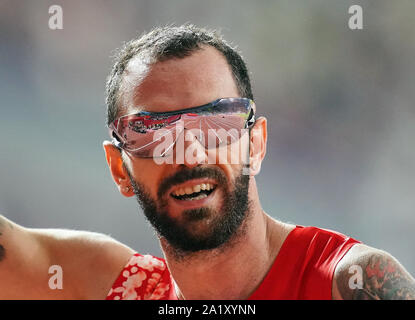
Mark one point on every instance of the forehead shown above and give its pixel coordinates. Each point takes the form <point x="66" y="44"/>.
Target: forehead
<point x="178" y="83"/>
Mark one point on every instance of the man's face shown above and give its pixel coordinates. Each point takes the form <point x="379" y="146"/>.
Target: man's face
<point x="213" y="213"/>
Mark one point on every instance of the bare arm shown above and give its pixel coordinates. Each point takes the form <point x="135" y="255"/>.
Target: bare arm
<point x="22" y="261"/>
<point x="366" y="273"/>
<point x="90" y="262"/>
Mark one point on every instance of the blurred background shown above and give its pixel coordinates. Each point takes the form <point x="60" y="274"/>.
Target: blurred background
<point x="340" y="106"/>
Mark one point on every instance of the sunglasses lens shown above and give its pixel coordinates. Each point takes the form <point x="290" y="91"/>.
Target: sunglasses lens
<point x="149" y="135"/>
<point x="216" y="130"/>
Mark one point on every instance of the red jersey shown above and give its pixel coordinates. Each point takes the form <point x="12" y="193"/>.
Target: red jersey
<point x="302" y="270"/>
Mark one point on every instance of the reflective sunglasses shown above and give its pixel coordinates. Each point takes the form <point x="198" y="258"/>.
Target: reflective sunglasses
<point x="142" y="133"/>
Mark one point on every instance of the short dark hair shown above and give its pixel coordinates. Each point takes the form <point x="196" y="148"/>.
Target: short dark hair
<point x="164" y="43"/>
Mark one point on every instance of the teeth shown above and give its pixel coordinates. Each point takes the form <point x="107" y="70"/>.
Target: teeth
<point x="194" y="189"/>
<point x="200" y="196"/>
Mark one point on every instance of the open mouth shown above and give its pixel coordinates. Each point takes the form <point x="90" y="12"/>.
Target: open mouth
<point x="195" y="192"/>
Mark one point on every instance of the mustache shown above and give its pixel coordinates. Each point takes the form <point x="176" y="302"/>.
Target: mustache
<point x="186" y="174"/>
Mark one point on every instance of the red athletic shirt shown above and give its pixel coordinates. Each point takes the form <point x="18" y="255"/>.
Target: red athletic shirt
<point x="302" y="270"/>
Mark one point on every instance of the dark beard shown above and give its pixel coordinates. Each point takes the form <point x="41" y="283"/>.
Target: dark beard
<point x="179" y="236"/>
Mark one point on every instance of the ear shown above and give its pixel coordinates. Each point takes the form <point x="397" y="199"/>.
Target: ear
<point x="118" y="172"/>
<point x="258" y="145"/>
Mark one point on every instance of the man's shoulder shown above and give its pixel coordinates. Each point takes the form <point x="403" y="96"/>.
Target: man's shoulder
<point x="318" y="241"/>
<point x="367" y="273"/>
<point x="90" y="261"/>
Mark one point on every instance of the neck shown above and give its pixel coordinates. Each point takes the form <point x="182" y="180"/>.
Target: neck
<point x="216" y="274"/>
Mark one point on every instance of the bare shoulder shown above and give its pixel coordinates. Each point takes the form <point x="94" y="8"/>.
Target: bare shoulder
<point x="367" y="273"/>
<point x="90" y="261"/>
<point x="21" y="262"/>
